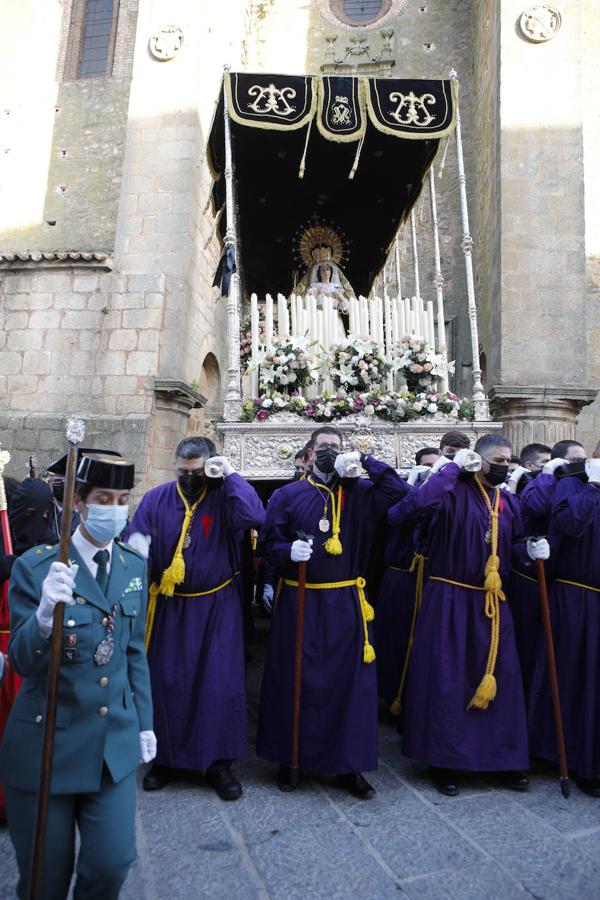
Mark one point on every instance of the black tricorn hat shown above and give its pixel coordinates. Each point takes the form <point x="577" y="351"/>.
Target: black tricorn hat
<point x="59" y="466"/>
<point x="106" y="471"/>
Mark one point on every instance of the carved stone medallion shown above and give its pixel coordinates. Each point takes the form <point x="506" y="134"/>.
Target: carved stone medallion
<point x="166" y="43"/>
<point x="539" y="24"/>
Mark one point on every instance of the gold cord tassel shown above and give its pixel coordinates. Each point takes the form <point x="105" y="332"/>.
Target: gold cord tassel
<point x="175" y="573"/>
<point x="303" y="160"/>
<point x="486" y="692"/>
<point x="418" y="564"/>
<point x="368" y="614"/>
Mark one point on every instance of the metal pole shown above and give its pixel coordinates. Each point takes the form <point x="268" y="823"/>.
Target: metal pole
<point x="397" y="259"/>
<point x="479" y="398"/>
<point x="415" y="250"/>
<point x="233" y="396"/>
<point x="438" y="280"/>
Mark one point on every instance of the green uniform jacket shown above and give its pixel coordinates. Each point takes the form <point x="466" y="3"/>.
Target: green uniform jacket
<point x="101" y="709"/>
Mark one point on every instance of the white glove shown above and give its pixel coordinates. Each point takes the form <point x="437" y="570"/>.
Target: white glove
<point x="413" y="475"/>
<point x="267" y="597"/>
<point x="222" y="464"/>
<point x="592" y="470"/>
<point x="3" y="667"/>
<point x="346" y="464"/>
<point x="301" y="551"/>
<point x="57" y="587"/>
<point x="514" y="478"/>
<point x="140" y="542"/>
<point x="440" y="462"/>
<point x="468" y="460"/>
<point x="539" y="549"/>
<point x="147" y="746"/>
<point x="551" y="467"/>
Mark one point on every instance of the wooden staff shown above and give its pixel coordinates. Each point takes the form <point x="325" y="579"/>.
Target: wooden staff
<point x="32" y="466"/>
<point x="4" y="522"/>
<point x="74" y="434"/>
<point x="558" y="724"/>
<point x="298" y="654"/>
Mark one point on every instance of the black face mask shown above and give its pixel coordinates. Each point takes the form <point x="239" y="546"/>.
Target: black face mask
<point x="450" y="454"/>
<point x="497" y="474"/>
<point x="58" y="489"/>
<point x="191" y="484"/>
<point x="575" y="469"/>
<point x="325" y="459"/>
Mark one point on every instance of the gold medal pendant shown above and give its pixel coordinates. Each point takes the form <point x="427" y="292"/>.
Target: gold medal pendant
<point x="187" y="541"/>
<point x="488" y="537"/>
<point x="324" y="525"/>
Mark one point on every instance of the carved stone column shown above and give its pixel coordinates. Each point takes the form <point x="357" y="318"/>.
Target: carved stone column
<point x="533" y="414"/>
<point x="174" y="400"/>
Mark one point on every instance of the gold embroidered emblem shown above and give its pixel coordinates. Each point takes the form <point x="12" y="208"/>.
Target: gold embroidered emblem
<point x="416" y="108"/>
<point x="271" y="99"/>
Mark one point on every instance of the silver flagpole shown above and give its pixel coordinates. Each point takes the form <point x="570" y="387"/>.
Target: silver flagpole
<point x="479" y="398"/>
<point x="415" y="249"/>
<point x="233" y="396"/>
<point x="438" y="279"/>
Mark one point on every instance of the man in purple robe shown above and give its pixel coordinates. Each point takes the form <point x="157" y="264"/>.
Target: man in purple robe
<point x="464" y="707"/>
<point x="575" y="611"/>
<point x="338" y="722"/>
<point x="195" y="641"/>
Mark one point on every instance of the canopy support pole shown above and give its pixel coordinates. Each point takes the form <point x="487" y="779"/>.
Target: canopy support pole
<point x="438" y="280"/>
<point x="233" y="396"/>
<point x="415" y="250"/>
<point x="479" y="398"/>
<point x="397" y="261"/>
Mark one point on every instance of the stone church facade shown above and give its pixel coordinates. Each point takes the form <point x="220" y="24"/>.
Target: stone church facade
<point x="108" y="246"/>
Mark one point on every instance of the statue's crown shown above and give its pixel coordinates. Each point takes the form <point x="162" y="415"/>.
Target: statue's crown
<point x="322" y="254"/>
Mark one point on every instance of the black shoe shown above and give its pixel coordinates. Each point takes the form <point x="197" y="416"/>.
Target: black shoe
<point x="444" y="780"/>
<point x="284" y="780"/>
<point x="357" y="784"/>
<point x="156" y="778"/>
<point x="590" y="786"/>
<point x="224" y="783"/>
<point x="515" y="781"/>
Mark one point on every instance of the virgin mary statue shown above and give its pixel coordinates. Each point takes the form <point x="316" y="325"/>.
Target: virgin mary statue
<point x="321" y="250"/>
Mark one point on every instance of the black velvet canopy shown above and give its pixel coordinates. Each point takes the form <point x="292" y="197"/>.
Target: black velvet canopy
<point x="370" y="144"/>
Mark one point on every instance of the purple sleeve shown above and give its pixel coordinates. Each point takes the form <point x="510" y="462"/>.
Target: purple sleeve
<point x="575" y="506"/>
<point x="432" y="494"/>
<point x="536" y="499"/>
<point x="404" y="514"/>
<point x="142" y="523"/>
<point x="275" y="540"/>
<point x="244" y="508"/>
<point x="387" y="487"/>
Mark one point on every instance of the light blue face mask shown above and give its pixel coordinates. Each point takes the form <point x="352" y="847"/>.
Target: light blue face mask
<point x="105" y="521"/>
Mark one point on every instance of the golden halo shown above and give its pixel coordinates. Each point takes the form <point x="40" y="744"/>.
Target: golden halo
<point x="319" y="237"/>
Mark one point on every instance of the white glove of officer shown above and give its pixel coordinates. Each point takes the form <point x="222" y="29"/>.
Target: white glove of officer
<point x="347" y="464"/>
<point x="57" y="587"/>
<point x="539" y="549"/>
<point x="222" y="462"/>
<point x="592" y="470"/>
<point x="147" y="746"/>
<point x="413" y="475"/>
<point x="440" y="462"/>
<point x="140" y="542"/>
<point x="468" y="460"/>
<point x="514" y="478"/>
<point x="267" y="597"/>
<point x="551" y="466"/>
<point x="301" y="551"/>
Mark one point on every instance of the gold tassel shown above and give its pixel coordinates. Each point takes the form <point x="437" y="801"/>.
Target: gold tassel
<point x="333" y="545"/>
<point x="396" y="707"/>
<point x="485" y="693"/>
<point x="368" y="653"/>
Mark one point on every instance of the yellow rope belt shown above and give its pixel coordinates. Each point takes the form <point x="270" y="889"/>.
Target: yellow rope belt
<point x="418" y="565"/>
<point x="4" y="631"/>
<point x="521" y="575"/>
<point x="155" y="591"/>
<point x="366" y="610"/>
<point x="588" y="587"/>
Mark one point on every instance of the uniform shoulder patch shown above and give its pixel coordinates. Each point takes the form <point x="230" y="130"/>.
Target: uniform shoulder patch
<point x="129" y="549"/>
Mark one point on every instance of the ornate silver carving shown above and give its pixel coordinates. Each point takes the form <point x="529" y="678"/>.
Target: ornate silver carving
<point x="271" y="99"/>
<point x="284" y="451"/>
<point x="539" y="24"/>
<point x="166" y="43"/>
<point x="359" y="54"/>
<point x="416" y="108"/>
<point x="74" y="430"/>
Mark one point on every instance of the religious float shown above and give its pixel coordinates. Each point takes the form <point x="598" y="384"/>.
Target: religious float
<point x="315" y="335"/>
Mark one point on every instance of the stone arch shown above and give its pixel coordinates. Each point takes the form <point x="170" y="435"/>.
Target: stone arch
<point x="210" y="382"/>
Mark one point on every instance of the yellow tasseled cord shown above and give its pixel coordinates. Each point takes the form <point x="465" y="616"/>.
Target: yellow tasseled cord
<point x="332" y="545"/>
<point x="486" y="692"/>
<point x="418" y="565"/>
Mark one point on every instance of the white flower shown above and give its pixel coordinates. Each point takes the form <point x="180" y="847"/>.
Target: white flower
<point x="418" y="406"/>
<point x="454" y="412"/>
<point x="292" y="377"/>
<point x="370" y="409"/>
<point x="267" y="403"/>
<point x="432" y="408"/>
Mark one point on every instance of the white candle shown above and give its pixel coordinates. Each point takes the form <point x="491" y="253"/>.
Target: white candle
<point x="431" y="326"/>
<point x="396" y="333"/>
<point x="299" y="316"/>
<point x="401" y="320"/>
<point x="320" y="327"/>
<point x="279" y="316"/>
<point x="284" y="317"/>
<point x="269" y="322"/>
<point x="388" y="327"/>
<point x="364" y="317"/>
<point x="295" y="331"/>
<point x="327" y="310"/>
<point x="379" y="311"/>
<point x="313" y="319"/>
<point x="254" y="328"/>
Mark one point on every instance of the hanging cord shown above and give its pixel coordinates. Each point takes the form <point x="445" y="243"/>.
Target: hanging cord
<point x="443" y="162"/>
<point x="418" y="565"/>
<point x="356" y="159"/>
<point x="303" y="160"/>
<point x="332" y="545"/>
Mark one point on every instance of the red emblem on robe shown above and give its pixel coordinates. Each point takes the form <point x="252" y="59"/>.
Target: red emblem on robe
<point x="206" y="524"/>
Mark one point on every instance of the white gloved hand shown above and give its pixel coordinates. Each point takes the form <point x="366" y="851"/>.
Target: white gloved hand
<point x="592" y="470"/>
<point x="346" y="464"/>
<point x="539" y="549"/>
<point x="57" y="587"/>
<point x="147" y="746"/>
<point x="3" y="667"/>
<point x="514" y="478"/>
<point x="140" y="542"/>
<point x="267" y="597"/>
<point x="413" y="475"/>
<point x="551" y="467"/>
<point x="301" y="551"/>
<point x="468" y="460"/>
<point x="220" y="461"/>
<point x="440" y="463"/>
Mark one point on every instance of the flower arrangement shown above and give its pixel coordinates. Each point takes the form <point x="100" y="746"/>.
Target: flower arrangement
<point x="391" y="406"/>
<point x="289" y="365"/>
<point x="358" y="364"/>
<point x="419" y="364"/>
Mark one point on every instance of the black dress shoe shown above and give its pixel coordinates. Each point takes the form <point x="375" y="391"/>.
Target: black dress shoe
<point x="284" y="780"/>
<point x="224" y="783"/>
<point x="590" y="786"/>
<point x="515" y="781"/>
<point x="444" y="780"/>
<point x="357" y="784"/>
<point x="156" y="778"/>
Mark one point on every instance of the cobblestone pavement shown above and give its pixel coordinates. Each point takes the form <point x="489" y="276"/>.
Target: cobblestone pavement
<point x="486" y="844"/>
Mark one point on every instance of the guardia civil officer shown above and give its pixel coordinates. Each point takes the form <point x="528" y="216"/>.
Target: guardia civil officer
<point x="104" y="714"/>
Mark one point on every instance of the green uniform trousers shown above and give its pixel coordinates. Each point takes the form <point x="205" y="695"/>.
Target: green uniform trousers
<point x="106" y="824"/>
